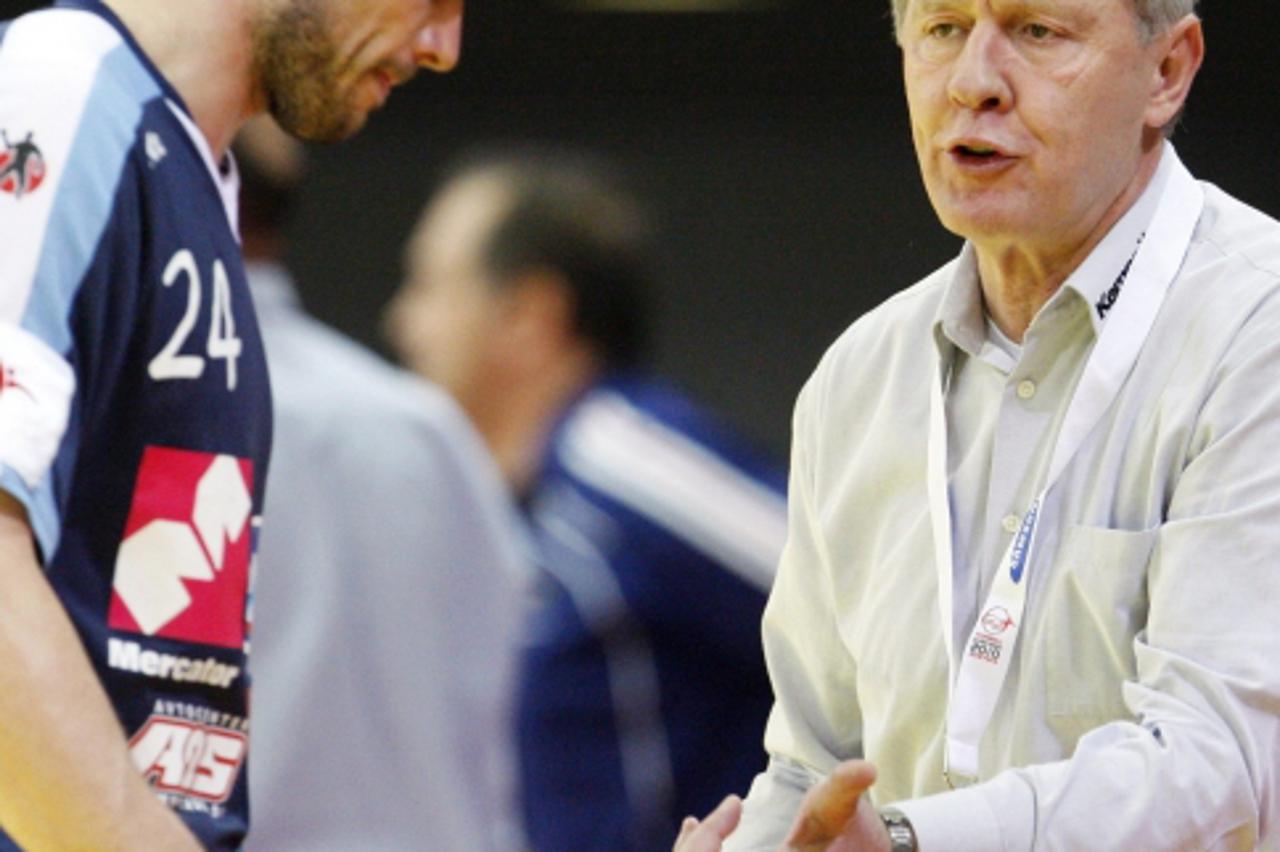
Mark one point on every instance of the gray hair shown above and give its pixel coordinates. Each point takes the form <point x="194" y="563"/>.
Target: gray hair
<point x="1154" y="16"/>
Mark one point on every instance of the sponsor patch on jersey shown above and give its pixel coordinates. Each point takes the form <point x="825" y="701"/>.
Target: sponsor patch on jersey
<point x="22" y="166"/>
<point x="182" y="571"/>
<point x="189" y="758"/>
<point x="127" y="656"/>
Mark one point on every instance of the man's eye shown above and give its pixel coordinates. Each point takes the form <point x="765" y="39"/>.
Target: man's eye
<point x="943" y="30"/>
<point x="1038" y="32"/>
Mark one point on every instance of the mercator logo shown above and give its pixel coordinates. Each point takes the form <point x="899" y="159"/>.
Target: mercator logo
<point x="22" y="166"/>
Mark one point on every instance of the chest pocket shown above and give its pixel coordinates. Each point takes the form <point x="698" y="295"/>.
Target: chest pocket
<point x="1099" y="604"/>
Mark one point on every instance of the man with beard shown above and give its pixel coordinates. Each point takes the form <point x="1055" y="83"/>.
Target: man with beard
<point x="135" y="416"/>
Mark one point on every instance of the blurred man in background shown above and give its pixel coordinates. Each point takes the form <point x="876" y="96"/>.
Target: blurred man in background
<point x="657" y="530"/>
<point x="386" y="597"/>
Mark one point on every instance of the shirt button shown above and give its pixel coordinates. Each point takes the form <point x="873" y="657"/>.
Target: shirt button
<point x="1010" y="523"/>
<point x="1026" y="389"/>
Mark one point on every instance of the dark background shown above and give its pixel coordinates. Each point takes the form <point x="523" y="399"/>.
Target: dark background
<point x="773" y="145"/>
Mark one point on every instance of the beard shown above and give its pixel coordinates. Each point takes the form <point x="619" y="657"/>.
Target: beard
<point x="296" y="65"/>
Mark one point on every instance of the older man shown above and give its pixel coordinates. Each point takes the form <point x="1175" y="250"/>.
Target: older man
<point x="1028" y="596"/>
<point x="134" y="408"/>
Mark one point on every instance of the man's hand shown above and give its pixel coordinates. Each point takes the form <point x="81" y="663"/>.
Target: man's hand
<point x="709" y="834"/>
<point x="836" y="815"/>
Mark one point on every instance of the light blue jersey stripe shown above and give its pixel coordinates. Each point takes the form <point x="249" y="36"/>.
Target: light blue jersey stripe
<point x="80" y="214"/>
<point x="44" y="517"/>
<point x="82" y="210"/>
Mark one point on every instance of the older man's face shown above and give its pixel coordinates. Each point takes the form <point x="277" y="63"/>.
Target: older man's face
<point x="1028" y="116"/>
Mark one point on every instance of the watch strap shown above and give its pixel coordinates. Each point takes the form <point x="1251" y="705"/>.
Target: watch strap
<point x="902" y="837"/>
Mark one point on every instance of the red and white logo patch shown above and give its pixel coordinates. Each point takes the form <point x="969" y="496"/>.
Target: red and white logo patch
<point x="182" y="571"/>
<point x="188" y="758"/>
<point x="22" y="166"/>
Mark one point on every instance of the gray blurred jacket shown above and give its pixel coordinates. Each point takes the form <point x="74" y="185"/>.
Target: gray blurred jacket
<point x="384" y="608"/>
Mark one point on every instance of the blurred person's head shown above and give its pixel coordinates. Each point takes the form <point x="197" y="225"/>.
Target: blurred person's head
<point x="526" y="278"/>
<point x="321" y="66"/>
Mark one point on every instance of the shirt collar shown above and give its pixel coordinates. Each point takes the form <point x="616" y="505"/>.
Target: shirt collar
<point x="960" y="319"/>
<point x="1103" y="269"/>
<point x="960" y="316"/>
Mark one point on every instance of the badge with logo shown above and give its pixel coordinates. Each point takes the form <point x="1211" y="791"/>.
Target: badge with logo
<point x="22" y="166"/>
<point x="188" y="758"/>
<point x="987" y="644"/>
<point x="182" y="571"/>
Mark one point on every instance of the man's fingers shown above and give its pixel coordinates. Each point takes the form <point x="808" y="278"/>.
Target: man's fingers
<point x="724" y="819"/>
<point x="687" y="828"/>
<point x="707" y="835"/>
<point x="832" y="804"/>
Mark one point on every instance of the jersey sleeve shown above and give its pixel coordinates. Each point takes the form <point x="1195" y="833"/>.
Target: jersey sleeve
<point x="68" y="108"/>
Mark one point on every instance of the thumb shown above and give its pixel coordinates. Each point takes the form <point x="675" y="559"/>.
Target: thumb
<point x="832" y="804"/>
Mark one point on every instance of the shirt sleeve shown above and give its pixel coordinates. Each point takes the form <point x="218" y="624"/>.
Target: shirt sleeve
<point x="66" y="136"/>
<point x="815" y="722"/>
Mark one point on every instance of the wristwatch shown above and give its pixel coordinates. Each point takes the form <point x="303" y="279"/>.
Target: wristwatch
<point x="902" y="837"/>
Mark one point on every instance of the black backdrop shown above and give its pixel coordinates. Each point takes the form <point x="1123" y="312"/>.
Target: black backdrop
<point x="773" y="144"/>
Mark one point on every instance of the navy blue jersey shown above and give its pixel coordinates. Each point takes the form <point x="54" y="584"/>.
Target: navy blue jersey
<point x="134" y="412"/>
<point x="644" y="693"/>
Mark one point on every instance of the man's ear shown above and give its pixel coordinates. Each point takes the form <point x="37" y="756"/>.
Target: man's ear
<point x="1181" y="54"/>
<point x="540" y="317"/>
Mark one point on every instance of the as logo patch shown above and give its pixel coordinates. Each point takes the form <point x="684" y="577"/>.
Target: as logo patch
<point x="182" y="571"/>
<point x="22" y="167"/>
<point x="188" y="758"/>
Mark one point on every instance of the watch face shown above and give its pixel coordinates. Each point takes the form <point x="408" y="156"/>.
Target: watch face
<point x="902" y="839"/>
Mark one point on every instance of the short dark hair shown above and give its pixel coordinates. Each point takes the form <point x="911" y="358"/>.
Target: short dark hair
<point x="569" y="213"/>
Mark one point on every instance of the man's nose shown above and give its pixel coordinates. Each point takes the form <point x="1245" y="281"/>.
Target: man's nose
<point x="439" y="44"/>
<point x="978" y="80"/>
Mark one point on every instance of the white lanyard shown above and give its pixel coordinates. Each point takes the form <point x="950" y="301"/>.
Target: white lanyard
<point x="977" y="677"/>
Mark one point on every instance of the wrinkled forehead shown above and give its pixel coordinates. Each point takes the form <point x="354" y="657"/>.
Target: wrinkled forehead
<point x="902" y="7"/>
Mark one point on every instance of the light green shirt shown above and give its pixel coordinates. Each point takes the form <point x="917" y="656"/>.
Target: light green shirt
<point x="1142" y="710"/>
